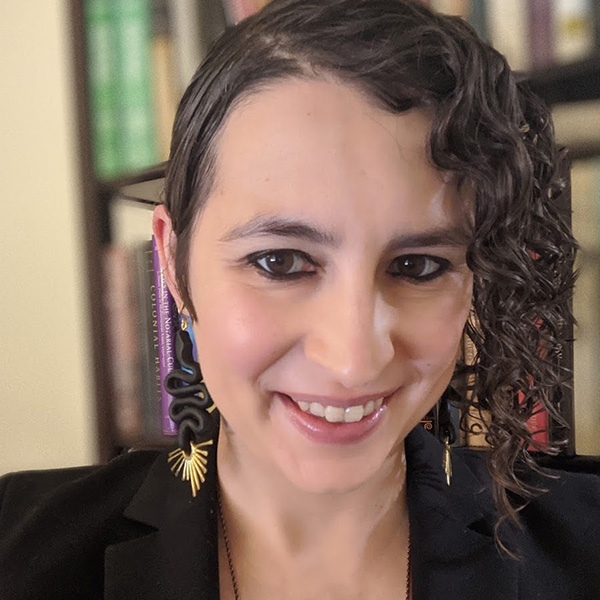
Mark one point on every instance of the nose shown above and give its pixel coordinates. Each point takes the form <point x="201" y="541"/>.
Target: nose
<point x="351" y="336"/>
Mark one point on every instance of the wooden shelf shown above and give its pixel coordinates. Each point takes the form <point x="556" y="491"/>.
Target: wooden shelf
<point x="145" y="187"/>
<point x="574" y="82"/>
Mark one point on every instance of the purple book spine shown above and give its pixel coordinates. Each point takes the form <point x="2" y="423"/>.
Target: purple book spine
<point x="166" y="339"/>
<point x="541" y="33"/>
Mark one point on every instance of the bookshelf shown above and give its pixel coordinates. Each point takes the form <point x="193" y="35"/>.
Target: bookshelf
<point x="568" y="85"/>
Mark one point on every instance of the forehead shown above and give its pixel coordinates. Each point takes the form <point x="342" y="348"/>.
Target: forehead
<point x="323" y="143"/>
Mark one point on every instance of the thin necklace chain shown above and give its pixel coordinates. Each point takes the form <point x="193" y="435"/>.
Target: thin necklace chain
<point x="236" y="592"/>
<point x="234" y="584"/>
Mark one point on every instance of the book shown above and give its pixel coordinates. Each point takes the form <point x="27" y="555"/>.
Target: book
<point x="100" y="29"/>
<point x="509" y="31"/>
<point x="459" y="8"/>
<point x="539" y="426"/>
<point x="213" y="20"/>
<point x="165" y="86"/>
<point x="541" y="33"/>
<point x="147" y="336"/>
<point x="539" y="423"/>
<point x="478" y="18"/>
<point x="124" y="356"/>
<point x="585" y="176"/>
<point x="476" y="420"/>
<point x="166" y="338"/>
<point x="133" y="22"/>
<point x="574" y="37"/>
<point x="189" y="42"/>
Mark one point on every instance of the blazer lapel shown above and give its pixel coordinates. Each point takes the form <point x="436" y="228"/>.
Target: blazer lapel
<point x="453" y="555"/>
<point x="180" y="559"/>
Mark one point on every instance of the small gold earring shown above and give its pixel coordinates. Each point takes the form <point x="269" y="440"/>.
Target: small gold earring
<point x="447" y="459"/>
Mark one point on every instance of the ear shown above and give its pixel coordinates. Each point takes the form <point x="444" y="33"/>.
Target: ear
<point x="166" y="244"/>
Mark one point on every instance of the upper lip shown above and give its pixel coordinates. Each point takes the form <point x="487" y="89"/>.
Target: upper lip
<point x="337" y="401"/>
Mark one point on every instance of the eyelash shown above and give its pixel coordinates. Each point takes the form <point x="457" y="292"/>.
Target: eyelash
<point x="253" y="260"/>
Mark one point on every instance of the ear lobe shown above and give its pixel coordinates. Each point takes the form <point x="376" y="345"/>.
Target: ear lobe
<point x="166" y="244"/>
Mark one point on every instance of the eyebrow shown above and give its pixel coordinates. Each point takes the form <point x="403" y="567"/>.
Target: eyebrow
<point x="453" y="237"/>
<point x="262" y="225"/>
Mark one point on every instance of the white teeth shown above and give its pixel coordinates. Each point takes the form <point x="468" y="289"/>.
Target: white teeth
<point x="317" y="409"/>
<point x="337" y="414"/>
<point x="353" y="414"/>
<point x="334" y="414"/>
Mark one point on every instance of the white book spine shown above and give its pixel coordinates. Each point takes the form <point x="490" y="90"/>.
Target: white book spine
<point x="508" y="26"/>
<point x="190" y="47"/>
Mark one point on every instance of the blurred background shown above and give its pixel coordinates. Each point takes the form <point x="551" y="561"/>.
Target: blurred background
<point x="89" y="92"/>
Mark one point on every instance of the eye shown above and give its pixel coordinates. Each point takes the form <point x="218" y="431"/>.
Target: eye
<point x="419" y="267"/>
<point x="283" y="264"/>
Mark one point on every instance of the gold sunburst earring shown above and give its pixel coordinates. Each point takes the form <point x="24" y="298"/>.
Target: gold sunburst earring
<point x="192" y="409"/>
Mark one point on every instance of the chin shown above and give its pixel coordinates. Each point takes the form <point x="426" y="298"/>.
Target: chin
<point x="335" y="475"/>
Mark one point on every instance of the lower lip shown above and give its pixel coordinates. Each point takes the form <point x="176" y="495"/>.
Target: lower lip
<point x="323" y="432"/>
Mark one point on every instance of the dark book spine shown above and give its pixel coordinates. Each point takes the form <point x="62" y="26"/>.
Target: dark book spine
<point x="478" y="18"/>
<point x="148" y="334"/>
<point x="541" y="33"/>
<point x="121" y="319"/>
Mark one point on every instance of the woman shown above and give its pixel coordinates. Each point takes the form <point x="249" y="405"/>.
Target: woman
<point x="353" y="184"/>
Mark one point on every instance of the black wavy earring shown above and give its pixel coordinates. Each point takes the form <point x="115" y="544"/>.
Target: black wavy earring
<point x="446" y="430"/>
<point x="193" y="410"/>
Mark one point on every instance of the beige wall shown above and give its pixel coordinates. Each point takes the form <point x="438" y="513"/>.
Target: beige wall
<point x="46" y="415"/>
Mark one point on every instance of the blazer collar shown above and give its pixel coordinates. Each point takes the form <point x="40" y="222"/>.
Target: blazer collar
<point x="180" y="559"/>
<point x="453" y="553"/>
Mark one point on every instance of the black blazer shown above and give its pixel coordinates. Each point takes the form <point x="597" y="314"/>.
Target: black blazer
<point x="131" y="530"/>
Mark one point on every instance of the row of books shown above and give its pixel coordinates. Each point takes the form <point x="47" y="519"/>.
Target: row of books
<point x="141" y="320"/>
<point x="474" y="435"/>
<point x="532" y="34"/>
<point x="141" y="324"/>
<point x="141" y="55"/>
<point x="585" y="177"/>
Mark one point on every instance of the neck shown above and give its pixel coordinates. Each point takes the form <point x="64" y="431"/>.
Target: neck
<point x="278" y="532"/>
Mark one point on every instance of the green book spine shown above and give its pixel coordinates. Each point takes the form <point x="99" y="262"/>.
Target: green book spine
<point x="102" y="85"/>
<point x="134" y="67"/>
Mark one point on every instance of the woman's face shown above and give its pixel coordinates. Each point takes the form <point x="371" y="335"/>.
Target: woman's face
<point x="328" y="274"/>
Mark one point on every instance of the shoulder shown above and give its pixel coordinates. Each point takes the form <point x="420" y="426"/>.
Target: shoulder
<point x="568" y="497"/>
<point x="561" y="535"/>
<point x="570" y="502"/>
<point x="25" y="494"/>
<point x="58" y="523"/>
<point x="559" y="538"/>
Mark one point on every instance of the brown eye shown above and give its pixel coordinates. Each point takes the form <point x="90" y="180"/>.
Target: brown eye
<point x="283" y="263"/>
<point x="419" y="267"/>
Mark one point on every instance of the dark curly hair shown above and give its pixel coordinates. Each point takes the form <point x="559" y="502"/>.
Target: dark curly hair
<point x="488" y="129"/>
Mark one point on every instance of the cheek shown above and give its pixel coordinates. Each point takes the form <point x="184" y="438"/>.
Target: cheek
<point x="238" y="334"/>
<point x="433" y="327"/>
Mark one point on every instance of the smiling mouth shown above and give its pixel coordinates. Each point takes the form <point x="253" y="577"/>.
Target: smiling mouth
<point x="339" y="414"/>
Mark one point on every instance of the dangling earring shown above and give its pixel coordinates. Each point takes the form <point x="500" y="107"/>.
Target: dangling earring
<point x="446" y="431"/>
<point x="192" y="409"/>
